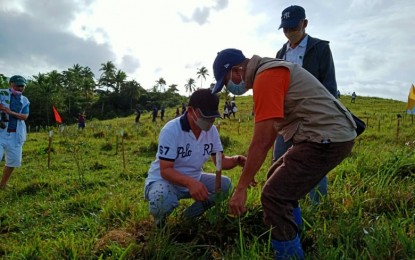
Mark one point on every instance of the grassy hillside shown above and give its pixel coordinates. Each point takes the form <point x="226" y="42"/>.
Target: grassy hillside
<point x="85" y="199"/>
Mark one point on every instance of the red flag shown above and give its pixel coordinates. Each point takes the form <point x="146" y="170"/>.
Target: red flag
<point x="58" y="118"/>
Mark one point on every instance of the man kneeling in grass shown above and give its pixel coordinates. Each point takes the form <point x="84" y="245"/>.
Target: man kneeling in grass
<point x="185" y="144"/>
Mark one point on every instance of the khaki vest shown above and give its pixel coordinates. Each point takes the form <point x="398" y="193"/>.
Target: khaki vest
<point x="311" y="113"/>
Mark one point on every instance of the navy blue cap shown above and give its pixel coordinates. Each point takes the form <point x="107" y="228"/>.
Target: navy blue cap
<point x="18" y="80"/>
<point x="223" y="63"/>
<point x="291" y="16"/>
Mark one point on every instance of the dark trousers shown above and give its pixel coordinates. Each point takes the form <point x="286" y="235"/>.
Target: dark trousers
<point x="291" y="177"/>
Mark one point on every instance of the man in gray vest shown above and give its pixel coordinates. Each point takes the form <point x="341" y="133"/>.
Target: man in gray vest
<point x="293" y="103"/>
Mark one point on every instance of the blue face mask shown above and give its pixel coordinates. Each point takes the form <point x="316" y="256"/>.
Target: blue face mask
<point x="236" y="89"/>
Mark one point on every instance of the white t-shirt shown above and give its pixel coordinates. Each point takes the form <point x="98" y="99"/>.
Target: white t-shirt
<point x="178" y="143"/>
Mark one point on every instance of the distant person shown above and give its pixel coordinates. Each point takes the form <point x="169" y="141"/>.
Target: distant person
<point x="81" y="121"/>
<point x="155" y="113"/>
<point x="226" y="111"/>
<point x="353" y="97"/>
<point x="315" y="56"/>
<point x="13" y="135"/>
<point x="162" y="113"/>
<point x="137" y="115"/>
<point x="185" y="144"/>
<point x="234" y="109"/>
<point x="338" y="93"/>
<point x="292" y="102"/>
<point x="177" y="112"/>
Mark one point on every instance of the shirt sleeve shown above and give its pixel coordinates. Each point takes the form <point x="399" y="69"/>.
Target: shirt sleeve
<point x="270" y="88"/>
<point x="167" y="148"/>
<point x="217" y="145"/>
<point x="25" y="110"/>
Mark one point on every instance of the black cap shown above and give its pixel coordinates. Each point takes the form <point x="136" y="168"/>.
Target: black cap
<point x="206" y="102"/>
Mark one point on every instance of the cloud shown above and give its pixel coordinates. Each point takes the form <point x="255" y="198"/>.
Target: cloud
<point x="201" y="14"/>
<point x="129" y="63"/>
<point x="36" y="41"/>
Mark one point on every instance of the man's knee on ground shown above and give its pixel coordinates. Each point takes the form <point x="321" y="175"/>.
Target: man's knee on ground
<point x="162" y="201"/>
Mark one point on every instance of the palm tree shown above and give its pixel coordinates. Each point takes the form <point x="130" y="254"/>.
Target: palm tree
<point x="190" y="85"/>
<point x="107" y="77"/>
<point x="72" y="83"/>
<point x="172" y="88"/>
<point x="119" y="79"/>
<point x="161" y="83"/>
<point x="202" y="73"/>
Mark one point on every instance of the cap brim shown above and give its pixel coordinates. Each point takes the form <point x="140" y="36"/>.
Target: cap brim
<point x="210" y="114"/>
<point x="19" y="83"/>
<point x="289" y="24"/>
<point x="218" y="87"/>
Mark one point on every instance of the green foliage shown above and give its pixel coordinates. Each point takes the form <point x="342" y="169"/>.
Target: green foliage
<point x="87" y="206"/>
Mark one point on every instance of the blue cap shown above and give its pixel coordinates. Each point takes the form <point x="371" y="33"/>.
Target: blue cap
<point x="291" y="16"/>
<point x="18" y="80"/>
<point x="223" y="63"/>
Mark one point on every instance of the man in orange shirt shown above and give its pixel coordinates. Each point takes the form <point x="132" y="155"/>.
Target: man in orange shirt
<point x="289" y="101"/>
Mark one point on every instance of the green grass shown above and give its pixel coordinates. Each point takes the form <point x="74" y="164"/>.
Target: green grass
<point x="86" y="205"/>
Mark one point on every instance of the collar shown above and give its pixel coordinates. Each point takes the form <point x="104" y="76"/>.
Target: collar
<point x="250" y="71"/>
<point x="184" y="123"/>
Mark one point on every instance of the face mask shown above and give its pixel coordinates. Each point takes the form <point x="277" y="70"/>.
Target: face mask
<point x="236" y="89"/>
<point x="202" y="123"/>
<point x="15" y="92"/>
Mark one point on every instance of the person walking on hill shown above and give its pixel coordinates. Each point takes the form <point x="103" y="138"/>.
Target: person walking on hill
<point x="314" y="55"/>
<point x="353" y="97"/>
<point x="13" y="135"/>
<point x="234" y="109"/>
<point x="137" y="115"/>
<point x="81" y="121"/>
<point x="226" y="111"/>
<point x="155" y="113"/>
<point x="292" y="102"/>
<point x="162" y="113"/>
<point x="185" y="144"/>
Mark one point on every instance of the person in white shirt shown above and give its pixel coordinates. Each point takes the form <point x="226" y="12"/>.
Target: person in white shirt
<point x="185" y="144"/>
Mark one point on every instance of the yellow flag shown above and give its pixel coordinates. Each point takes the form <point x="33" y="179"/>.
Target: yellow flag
<point x="411" y="98"/>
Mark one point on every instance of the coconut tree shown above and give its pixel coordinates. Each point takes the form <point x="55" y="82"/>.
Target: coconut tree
<point x="119" y="79"/>
<point x="107" y="77"/>
<point x="190" y="85"/>
<point x="161" y="83"/>
<point x="202" y="73"/>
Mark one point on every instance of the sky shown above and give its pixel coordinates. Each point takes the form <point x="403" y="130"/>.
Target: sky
<point x="372" y="41"/>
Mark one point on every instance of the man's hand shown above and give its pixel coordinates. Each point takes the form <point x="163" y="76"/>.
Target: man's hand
<point x="240" y="160"/>
<point x="237" y="202"/>
<point x="198" y="191"/>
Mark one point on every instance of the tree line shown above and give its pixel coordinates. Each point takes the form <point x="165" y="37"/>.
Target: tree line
<point x="76" y="90"/>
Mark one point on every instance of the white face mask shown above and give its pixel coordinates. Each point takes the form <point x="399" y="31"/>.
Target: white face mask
<point x="203" y="123"/>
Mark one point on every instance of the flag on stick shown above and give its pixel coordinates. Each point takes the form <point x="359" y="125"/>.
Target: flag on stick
<point x="58" y="118"/>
